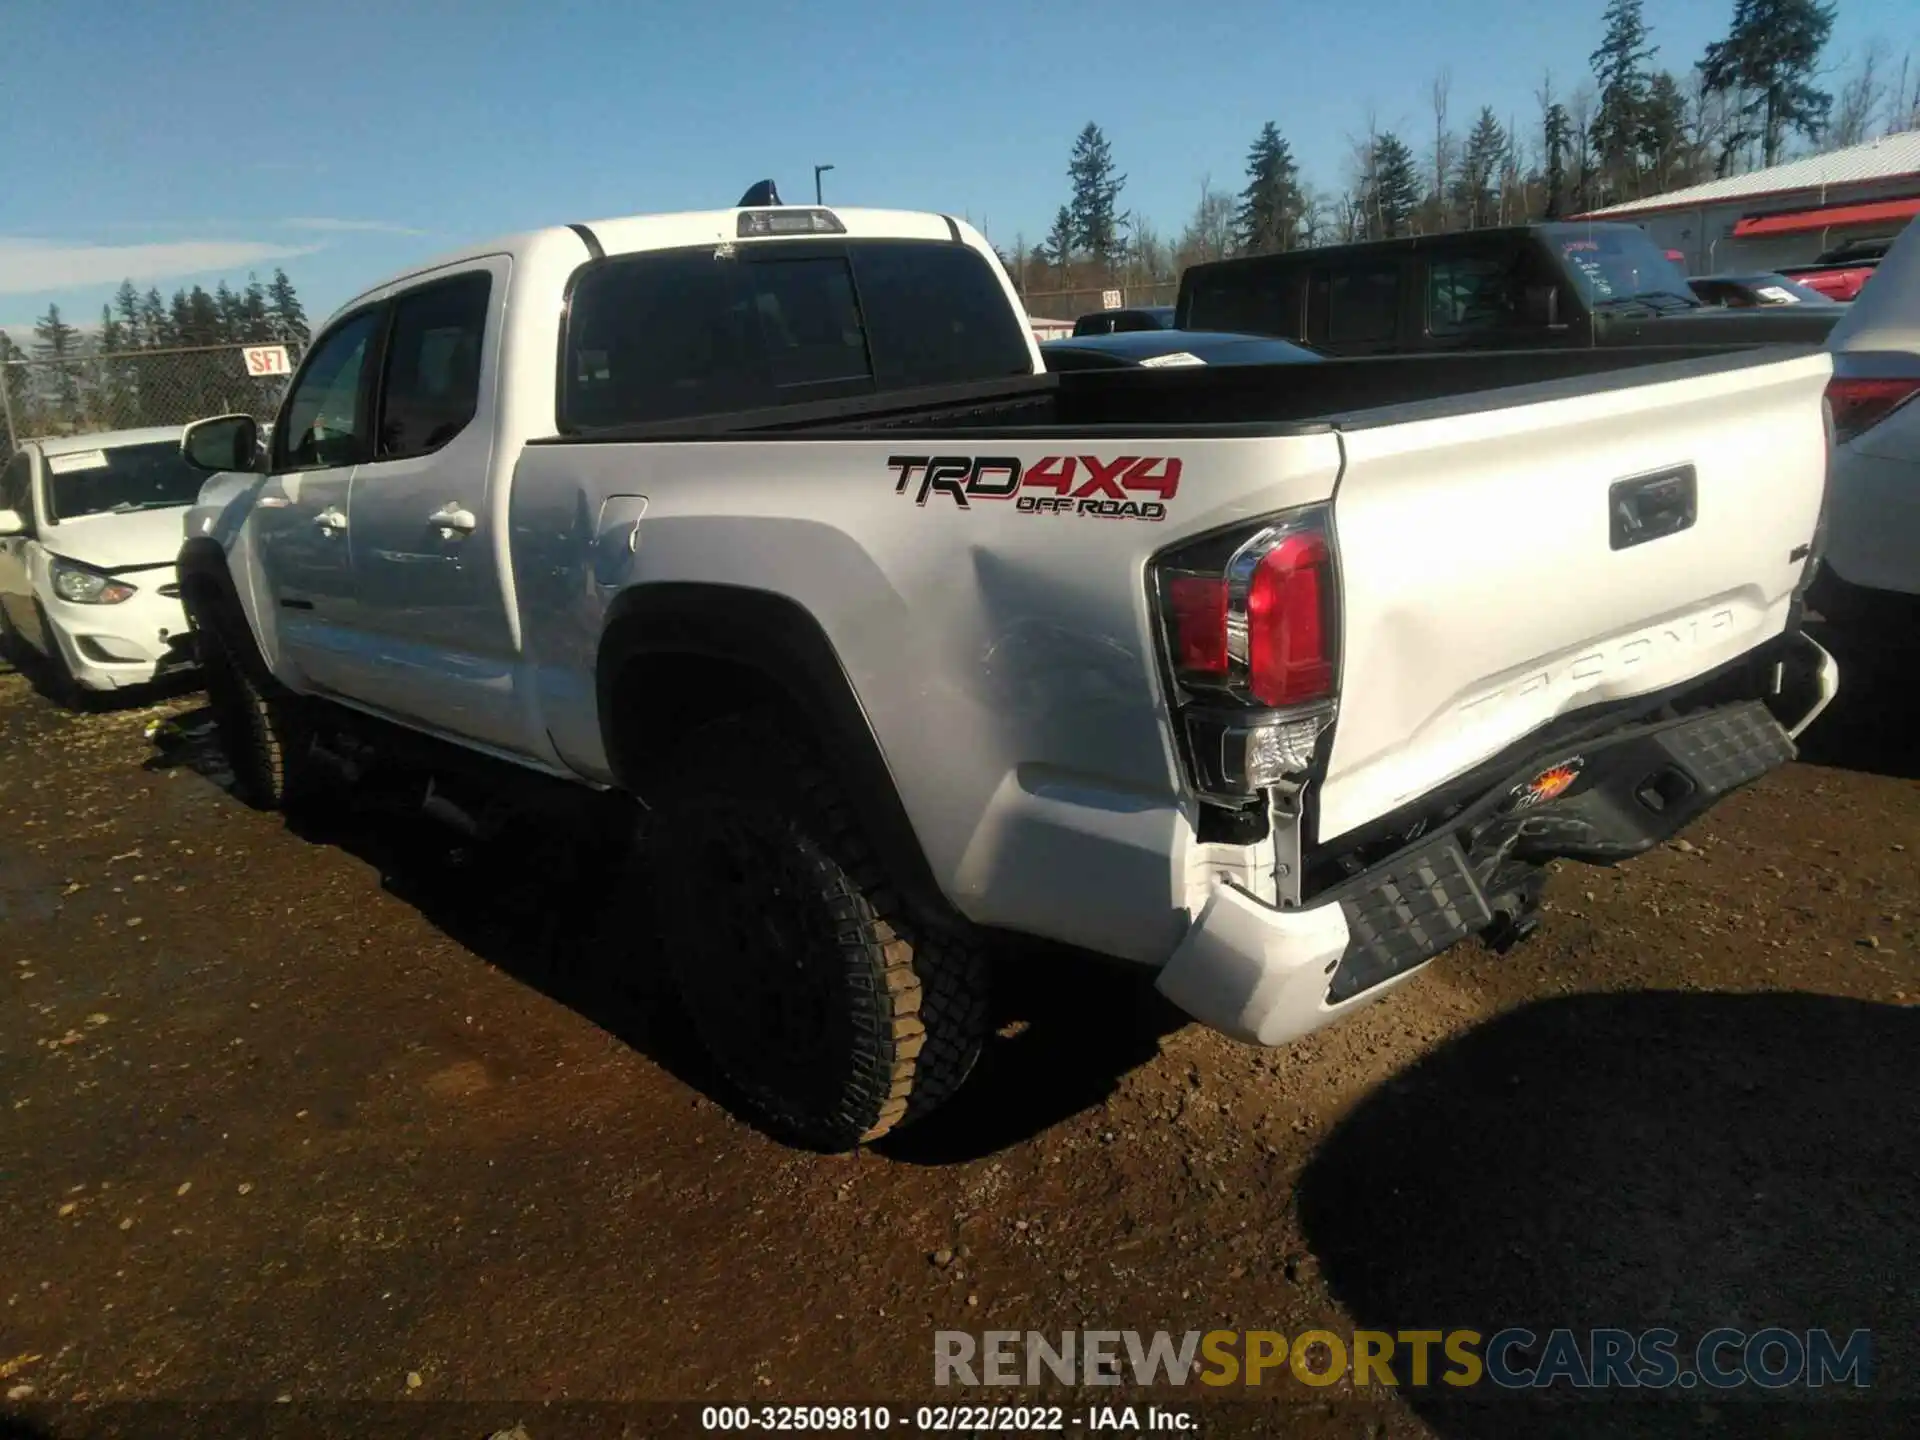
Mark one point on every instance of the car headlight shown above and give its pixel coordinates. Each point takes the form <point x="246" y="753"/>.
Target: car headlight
<point x="87" y="587"/>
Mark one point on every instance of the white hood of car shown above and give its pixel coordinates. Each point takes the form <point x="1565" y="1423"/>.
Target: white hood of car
<point x="110" y="542"/>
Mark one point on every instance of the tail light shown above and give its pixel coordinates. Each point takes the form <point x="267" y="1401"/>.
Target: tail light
<point x="1250" y="619"/>
<point x="1861" y="402"/>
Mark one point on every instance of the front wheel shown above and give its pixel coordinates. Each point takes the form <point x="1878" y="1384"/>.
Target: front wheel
<point x="834" y="1014"/>
<point x="261" y="727"/>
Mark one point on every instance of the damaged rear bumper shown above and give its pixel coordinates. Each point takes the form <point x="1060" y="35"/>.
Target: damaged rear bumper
<point x="1269" y="976"/>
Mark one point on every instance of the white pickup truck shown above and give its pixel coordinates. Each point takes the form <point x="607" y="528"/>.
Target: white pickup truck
<point x="1278" y="680"/>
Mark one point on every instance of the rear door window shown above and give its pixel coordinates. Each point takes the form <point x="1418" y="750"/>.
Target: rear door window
<point x="677" y="334"/>
<point x="431" y="387"/>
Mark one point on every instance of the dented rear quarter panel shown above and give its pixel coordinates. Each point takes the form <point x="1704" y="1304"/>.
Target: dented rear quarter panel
<point x="1006" y="659"/>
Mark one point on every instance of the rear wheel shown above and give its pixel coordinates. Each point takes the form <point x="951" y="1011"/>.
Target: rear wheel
<point x="262" y="727"/>
<point x="833" y="1013"/>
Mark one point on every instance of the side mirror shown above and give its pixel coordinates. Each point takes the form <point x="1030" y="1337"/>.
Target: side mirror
<point x="12" y="523"/>
<point x="224" y="443"/>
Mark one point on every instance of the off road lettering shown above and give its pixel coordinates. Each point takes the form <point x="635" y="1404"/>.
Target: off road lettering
<point x="1108" y="492"/>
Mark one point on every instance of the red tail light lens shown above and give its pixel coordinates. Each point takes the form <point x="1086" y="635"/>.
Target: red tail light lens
<point x="1859" y="404"/>
<point x="1199" y="613"/>
<point x="1250" y="615"/>
<point x="1289" y="660"/>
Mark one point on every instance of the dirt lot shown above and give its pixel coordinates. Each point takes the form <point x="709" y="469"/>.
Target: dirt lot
<point x="361" y="1114"/>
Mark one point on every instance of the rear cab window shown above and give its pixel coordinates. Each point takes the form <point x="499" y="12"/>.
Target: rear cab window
<point x="1476" y="289"/>
<point x="1357" y="306"/>
<point x="677" y="334"/>
<point x="1257" y="297"/>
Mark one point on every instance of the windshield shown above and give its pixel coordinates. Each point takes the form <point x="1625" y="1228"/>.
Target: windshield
<point x="120" y="480"/>
<point x="1613" y="264"/>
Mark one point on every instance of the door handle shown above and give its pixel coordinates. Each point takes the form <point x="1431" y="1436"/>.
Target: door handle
<point x="453" y="518"/>
<point x="331" y="520"/>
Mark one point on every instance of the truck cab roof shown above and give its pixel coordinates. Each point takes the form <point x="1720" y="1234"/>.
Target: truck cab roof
<point x="575" y="243"/>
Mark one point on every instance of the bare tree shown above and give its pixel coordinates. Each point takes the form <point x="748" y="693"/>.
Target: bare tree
<point x="1319" y="216"/>
<point x="1705" y="126"/>
<point x="1546" y="100"/>
<point x="1513" y="176"/>
<point x="1209" y="233"/>
<point x="1904" y="112"/>
<point x="1360" y="220"/>
<point x="1859" y="103"/>
<point x="1443" y="156"/>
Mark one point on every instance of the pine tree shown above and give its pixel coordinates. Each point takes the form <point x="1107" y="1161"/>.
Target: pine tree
<point x="1057" y="248"/>
<point x="226" y="304"/>
<point x="289" y="319"/>
<point x="203" y="319"/>
<point x="58" y="342"/>
<point x="126" y="309"/>
<point x="180" y="331"/>
<point x="1620" y="70"/>
<point x="1096" y="188"/>
<point x="117" y="398"/>
<point x="1663" y="134"/>
<point x="1556" y="134"/>
<point x="1477" y="187"/>
<point x="255" y="322"/>
<point x="1271" y="206"/>
<point x="1770" y="57"/>
<point x="155" y="331"/>
<point x="1394" y="193"/>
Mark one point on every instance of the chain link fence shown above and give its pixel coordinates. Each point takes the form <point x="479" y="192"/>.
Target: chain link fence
<point x="1070" y="304"/>
<point x="126" y="390"/>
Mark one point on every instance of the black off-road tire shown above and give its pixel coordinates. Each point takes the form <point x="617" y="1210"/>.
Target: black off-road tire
<point x="260" y="725"/>
<point x="836" y="1015"/>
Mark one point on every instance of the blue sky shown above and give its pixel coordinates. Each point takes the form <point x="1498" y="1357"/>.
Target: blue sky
<point x="190" y="141"/>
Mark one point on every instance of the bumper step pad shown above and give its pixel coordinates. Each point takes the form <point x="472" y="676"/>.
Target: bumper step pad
<point x="1404" y="913"/>
<point x="1633" y="793"/>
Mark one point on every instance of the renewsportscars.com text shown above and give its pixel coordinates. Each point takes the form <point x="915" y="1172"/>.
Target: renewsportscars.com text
<point x="1773" y="1358"/>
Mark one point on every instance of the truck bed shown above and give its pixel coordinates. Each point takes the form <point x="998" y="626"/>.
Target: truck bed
<point x="1489" y="584"/>
<point x="1340" y="393"/>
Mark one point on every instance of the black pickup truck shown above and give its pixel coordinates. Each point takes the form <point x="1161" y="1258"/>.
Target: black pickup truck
<point x="1526" y="287"/>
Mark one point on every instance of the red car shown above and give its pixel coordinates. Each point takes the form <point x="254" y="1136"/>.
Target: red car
<point x="1840" y="272"/>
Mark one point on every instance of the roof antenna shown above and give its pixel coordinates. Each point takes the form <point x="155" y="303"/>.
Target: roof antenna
<point x="758" y="195"/>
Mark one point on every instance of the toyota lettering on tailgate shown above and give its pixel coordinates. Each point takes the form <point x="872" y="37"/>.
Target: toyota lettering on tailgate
<point x="1056" y="485"/>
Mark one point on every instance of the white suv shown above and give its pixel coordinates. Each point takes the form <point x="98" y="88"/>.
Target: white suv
<point x="1869" y="587"/>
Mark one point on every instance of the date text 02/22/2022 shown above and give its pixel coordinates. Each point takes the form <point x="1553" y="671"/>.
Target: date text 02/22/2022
<point x="945" y="1419"/>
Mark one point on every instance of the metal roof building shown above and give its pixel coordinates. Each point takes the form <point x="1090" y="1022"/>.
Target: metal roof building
<point x="1787" y="214"/>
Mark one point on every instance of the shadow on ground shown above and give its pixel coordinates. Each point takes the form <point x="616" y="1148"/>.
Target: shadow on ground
<point x="1873" y="724"/>
<point x="1640" y="1160"/>
<point x="19" y="658"/>
<point x="565" y="909"/>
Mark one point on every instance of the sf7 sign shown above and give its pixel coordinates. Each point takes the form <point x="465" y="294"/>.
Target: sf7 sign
<point x="267" y="360"/>
<point x="1107" y="489"/>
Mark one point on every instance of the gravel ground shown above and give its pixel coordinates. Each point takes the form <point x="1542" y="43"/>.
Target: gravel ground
<point x="359" y="1113"/>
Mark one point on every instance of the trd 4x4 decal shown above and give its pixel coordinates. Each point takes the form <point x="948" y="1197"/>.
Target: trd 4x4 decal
<point x="1056" y="485"/>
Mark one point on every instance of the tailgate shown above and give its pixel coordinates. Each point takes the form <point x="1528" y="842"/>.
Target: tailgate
<point x="1505" y="567"/>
